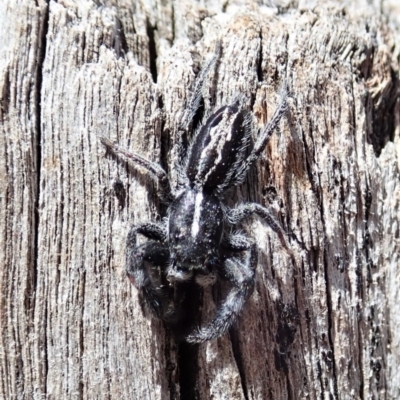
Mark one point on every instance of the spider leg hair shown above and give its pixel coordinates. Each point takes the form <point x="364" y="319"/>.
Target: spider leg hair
<point x="237" y="215"/>
<point x="232" y="178"/>
<point x="236" y="241"/>
<point x="190" y="111"/>
<point x="155" y="171"/>
<point x="262" y="140"/>
<point x="241" y="275"/>
<point x="195" y="99"/>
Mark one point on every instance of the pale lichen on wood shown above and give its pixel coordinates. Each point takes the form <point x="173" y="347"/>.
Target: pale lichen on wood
<point x="323" y="324"/>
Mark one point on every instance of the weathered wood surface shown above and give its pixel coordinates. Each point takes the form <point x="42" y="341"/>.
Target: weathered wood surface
<point x="325" y="324"/>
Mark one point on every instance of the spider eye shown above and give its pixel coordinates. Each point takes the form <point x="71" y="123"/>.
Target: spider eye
<point x="178" y="236"/>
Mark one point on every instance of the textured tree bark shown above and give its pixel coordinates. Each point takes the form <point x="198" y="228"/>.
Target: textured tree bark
<point x="324" y="323"/>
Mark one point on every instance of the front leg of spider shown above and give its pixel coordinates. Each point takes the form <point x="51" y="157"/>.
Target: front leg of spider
<point x="141" y="259"/>
<point x="237" y="215"/>
<point x="240" y="273"/>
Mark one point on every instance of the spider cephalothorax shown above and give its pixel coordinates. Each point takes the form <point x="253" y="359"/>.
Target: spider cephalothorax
<point x="196" y="241"/>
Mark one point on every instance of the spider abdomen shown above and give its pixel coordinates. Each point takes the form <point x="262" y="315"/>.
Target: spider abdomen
<point x="217" y="148"/>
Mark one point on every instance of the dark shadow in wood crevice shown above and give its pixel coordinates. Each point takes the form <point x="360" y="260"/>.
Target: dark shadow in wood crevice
<point x="329" y="358"/>
<point x="188" y="354"/>
<point x="237" y="354"/>
<point x="119" y="42"/>
<point x="152" y="50"/>
<point x="41" y="55"/>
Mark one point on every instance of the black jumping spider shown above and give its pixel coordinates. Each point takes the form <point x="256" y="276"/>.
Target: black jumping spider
<point x="196" y="240"/>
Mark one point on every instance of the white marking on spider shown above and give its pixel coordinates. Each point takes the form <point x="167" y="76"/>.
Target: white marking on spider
<point x="220" y="135"/>
<point x="197" y="213"/>
<point x="179" y="276"/>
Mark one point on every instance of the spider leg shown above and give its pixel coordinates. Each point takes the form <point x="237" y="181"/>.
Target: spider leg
<point x="150" y="230"/>
<point x="155" y="253"/>
<point x="241" y="274"/>
<point x="237" y="215"/>
<point x="155" y="171"/>
<point x="195" y="99"/>
<point x="262" y="140"/>
<point x="187" y="119"/>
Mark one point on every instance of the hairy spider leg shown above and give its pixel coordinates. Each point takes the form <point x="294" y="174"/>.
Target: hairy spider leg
<point x="153" y="251"/>
<point x="237" y="215"/>
<point x="195" y="98"/>
<point x="241" y="275"/>
<point x="239" y="152"/>
<point x="155" y="171"/>
<point x="262" y="141"/>
<point x="190" y="111"/>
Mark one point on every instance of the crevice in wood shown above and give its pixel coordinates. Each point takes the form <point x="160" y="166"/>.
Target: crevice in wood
<point x="239" y="360"/>
<point x="171" y="369"/>
<point x="330" y="358"/>
<point x="367" y="240"/>
<point x="289" y="387"/>
<point x="259" y="61"/>
<point x="152" y="50"/>
<point x="39" y="79"/>
<point x="188" y="371"/>
<point x="173" y="27"/>
<point x="120" y="43"/>
<point x="165" y="138"/>
<point x="360" y="353"/>
<point x="383" y="116"/>
<point x="81" y="386"/>
<point x="188" y="354"/>
<point x="38" y="96"/>
<point x="6" y="96"/>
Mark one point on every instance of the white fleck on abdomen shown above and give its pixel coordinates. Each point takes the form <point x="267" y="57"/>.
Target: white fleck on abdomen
<point x="198" y="206"/>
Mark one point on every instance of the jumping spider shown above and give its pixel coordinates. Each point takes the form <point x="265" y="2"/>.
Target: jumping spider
<point x="196" y="241"/>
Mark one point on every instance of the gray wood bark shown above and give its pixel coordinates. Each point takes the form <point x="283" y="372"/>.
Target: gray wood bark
<point x="323" y="324"/>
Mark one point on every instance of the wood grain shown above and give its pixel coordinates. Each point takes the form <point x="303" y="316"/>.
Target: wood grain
<point x="324" y="323"/>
